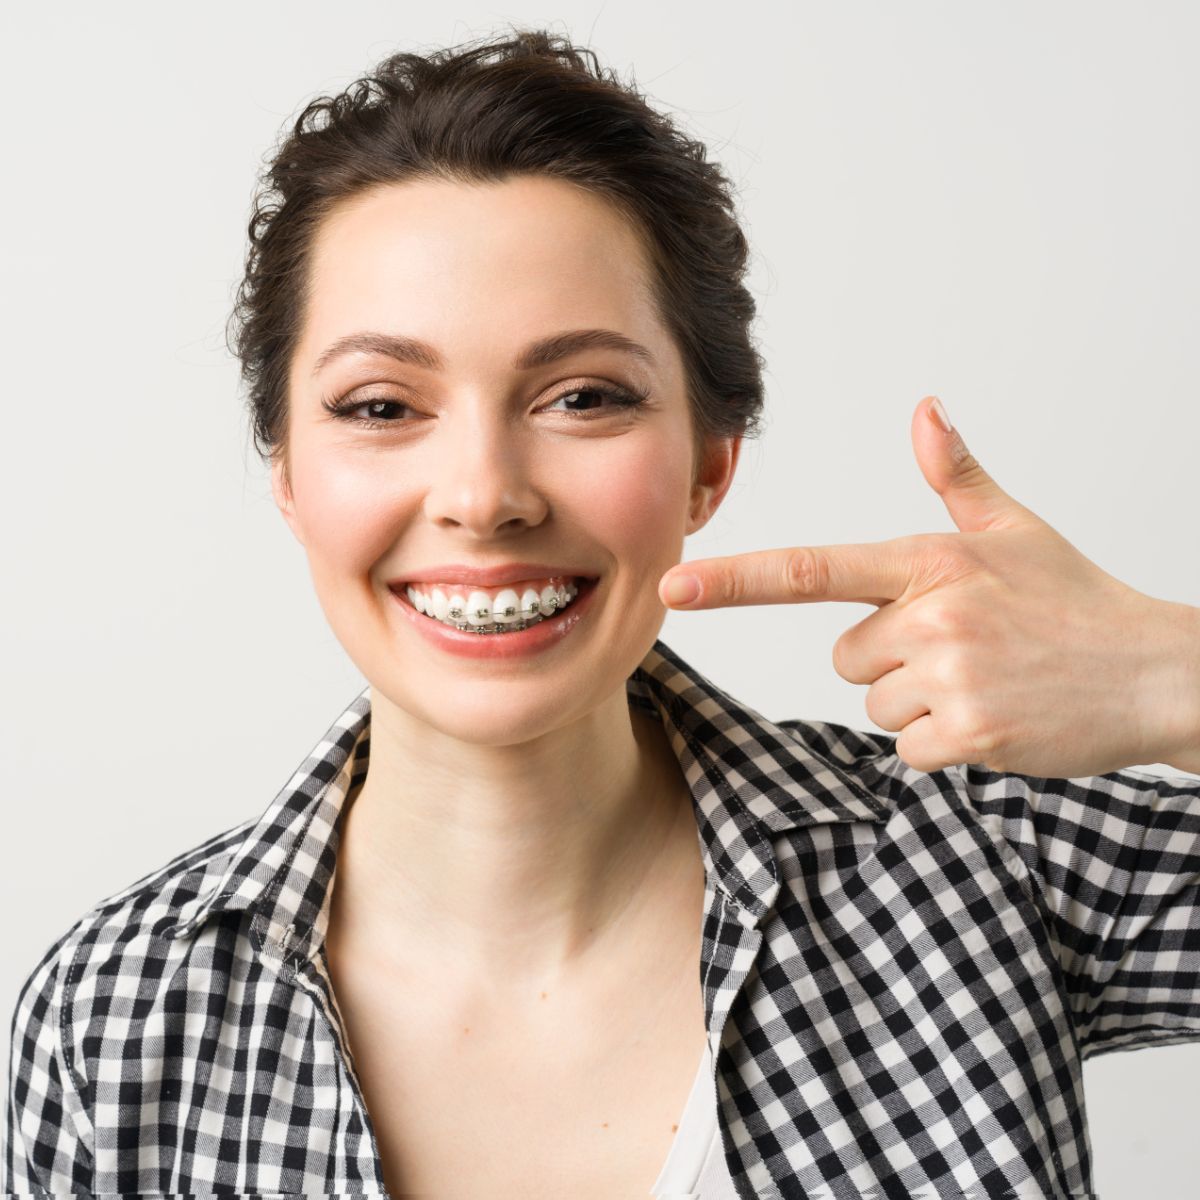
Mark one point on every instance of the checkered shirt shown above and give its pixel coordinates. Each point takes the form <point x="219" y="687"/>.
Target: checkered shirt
<point x="902" y="974"/>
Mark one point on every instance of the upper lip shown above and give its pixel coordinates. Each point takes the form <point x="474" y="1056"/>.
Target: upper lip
<point x="496" y="576"/>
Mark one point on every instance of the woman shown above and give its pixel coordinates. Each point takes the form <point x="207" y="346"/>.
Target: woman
<point x="545" y="910"/>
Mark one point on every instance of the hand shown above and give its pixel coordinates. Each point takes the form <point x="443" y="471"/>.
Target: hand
<point x="1000" y="645"/>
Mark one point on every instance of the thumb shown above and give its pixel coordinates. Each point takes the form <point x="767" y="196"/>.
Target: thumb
<point x="973" y="498"/>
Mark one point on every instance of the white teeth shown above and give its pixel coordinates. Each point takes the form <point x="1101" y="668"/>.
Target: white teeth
<point x="479" y="608"/>
<point x="505" y="601"/>
<point x="479" y="611"/>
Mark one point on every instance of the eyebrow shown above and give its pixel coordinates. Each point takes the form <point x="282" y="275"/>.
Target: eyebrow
<point x="537" y="354"/>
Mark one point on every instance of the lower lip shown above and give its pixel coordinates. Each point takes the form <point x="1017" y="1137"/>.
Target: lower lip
<point x="533" y="639"/>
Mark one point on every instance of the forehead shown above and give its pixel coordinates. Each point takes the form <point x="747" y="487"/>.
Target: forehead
<point x="464" y="264"/>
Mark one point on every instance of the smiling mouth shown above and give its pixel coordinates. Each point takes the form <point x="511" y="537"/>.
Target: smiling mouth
<point x="504" y="611"/>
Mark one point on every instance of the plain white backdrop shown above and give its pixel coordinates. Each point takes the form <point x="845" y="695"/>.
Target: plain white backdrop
<point x="994" y="203"/>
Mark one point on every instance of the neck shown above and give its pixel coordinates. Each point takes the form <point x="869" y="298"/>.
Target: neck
<point x="518" y="863"/>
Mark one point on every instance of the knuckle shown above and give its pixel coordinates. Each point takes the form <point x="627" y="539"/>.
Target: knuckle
<point x="806" y="572"/>
<point x="953" y="673"/>
<point x="874" y="707"/>
<point x="840" y="660"/>
<point x="845" y="659"/>
<point x="919" y="760"/>
<point x="730" y="587"/>
<point x="945" y="556"/>
<point x="943" y="674"/>
<point x="941" y="617"/>
<point x="978" y="737"/>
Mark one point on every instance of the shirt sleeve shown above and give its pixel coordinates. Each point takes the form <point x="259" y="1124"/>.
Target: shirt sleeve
<point x="1115" y="860"/>
<point x="44" y="1154"/>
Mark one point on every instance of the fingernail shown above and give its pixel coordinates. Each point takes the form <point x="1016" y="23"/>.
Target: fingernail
<point x="681" y="589"/>
<point x="939" y="415"/>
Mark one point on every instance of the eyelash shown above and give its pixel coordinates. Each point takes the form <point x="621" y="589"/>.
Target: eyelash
<point x="623" y="398"/>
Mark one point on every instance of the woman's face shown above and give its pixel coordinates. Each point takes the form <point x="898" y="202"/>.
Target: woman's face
<point x="478" y="459"/>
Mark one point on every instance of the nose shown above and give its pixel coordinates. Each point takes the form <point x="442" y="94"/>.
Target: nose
<point x="480" y="482"/>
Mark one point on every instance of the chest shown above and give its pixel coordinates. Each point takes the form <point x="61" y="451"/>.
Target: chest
<point x="523" y="1096"/>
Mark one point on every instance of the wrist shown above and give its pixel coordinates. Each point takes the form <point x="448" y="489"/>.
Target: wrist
<point x="1178" y="690"/>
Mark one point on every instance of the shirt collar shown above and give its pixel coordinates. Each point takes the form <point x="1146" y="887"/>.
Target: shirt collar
<point x="751" y="781"/>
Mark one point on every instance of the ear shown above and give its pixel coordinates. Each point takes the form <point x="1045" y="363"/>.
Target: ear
<point x="282" y="491"/>
<point x="714" y="474"/>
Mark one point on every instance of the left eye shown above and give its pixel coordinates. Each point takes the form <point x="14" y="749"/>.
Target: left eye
<point x="615" y="396"/>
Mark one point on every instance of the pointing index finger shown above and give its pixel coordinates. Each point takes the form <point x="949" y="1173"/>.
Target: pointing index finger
<point x="864" y="573"/>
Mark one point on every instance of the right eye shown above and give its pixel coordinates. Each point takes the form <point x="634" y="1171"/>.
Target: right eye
<point x="347" y="410"/>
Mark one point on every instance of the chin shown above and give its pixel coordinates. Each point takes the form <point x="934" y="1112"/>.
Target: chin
<point x="482" y="725"/>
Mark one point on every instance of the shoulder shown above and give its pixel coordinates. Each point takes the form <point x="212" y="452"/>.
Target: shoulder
<point x="1052" y="832"/>
<point x="840" y="743"/>
<point x="116" y="932"/>
<point x="867" y="759"/>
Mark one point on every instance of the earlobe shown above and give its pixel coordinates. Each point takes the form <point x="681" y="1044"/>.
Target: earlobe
<point x="281" y="491"/>
<point x="713" y="479"/>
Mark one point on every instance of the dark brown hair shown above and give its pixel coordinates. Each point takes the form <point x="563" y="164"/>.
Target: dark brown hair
<point x="481" y="112"/>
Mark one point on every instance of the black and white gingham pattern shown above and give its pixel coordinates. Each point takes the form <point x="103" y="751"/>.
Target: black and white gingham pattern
<point x="902" y="974"/>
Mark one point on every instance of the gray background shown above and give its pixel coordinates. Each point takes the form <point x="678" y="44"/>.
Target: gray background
<point x="995" y="203"/>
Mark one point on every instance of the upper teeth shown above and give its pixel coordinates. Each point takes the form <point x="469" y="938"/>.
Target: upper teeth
<point x="457" y="605"/>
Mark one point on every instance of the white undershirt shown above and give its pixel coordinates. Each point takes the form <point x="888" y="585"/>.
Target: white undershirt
<point x="695" y="1163"/>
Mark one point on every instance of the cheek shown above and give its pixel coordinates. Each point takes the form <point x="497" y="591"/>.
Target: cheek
<point x="642" y="498"/>
<point x="347" y="513"/>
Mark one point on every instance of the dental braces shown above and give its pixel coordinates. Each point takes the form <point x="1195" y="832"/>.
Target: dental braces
<point x="535" y="609"/>
<point x="510" y="610"/>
